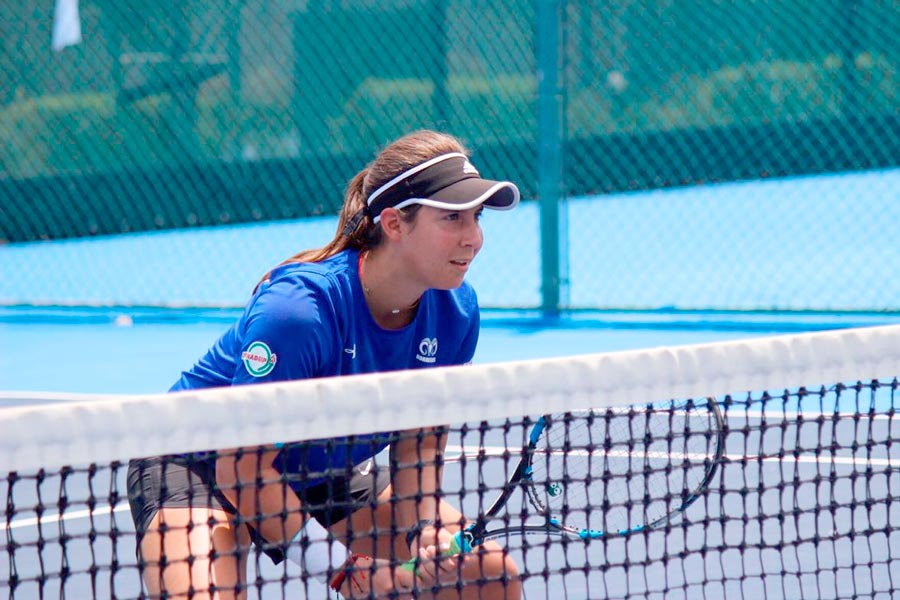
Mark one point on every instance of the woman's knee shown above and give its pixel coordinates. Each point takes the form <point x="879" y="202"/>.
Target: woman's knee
<point x="496" y="562"/>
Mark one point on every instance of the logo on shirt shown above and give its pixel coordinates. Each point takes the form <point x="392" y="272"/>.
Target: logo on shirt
<point x="258" y="359"/>
<point x="427" y="350"/>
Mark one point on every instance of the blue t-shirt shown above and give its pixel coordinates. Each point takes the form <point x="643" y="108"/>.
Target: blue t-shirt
<point x="311" y="320"/>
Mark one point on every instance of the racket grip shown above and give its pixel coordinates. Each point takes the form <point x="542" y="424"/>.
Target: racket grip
<point x="458" y="545"/>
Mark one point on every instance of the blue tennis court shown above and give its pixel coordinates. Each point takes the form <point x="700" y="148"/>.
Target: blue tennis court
<point x="124" y="314"/>
<point x="94" y="354"/>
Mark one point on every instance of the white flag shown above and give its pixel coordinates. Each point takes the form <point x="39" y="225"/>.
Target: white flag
<point x="66" y="25"/>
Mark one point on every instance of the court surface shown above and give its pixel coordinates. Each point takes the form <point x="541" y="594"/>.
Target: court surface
<point x="699" y="548"/>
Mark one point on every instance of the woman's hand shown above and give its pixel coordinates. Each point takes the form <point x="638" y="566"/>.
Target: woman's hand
<point x="436" y="566"/>
<point x="365" y="577"/>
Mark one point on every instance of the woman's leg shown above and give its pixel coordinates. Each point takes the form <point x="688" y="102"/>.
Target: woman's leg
<point x="491" y="573"/>
<point x="176" y="550"/>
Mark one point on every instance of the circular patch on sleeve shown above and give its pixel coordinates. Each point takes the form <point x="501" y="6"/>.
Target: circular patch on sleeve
<point x="259" y="360"/>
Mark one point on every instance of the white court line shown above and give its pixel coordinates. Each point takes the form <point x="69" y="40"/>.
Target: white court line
<point x="459" y="453"/>
<point x="499" y="451"/>
<point x="72" y="515"/>
<point x="808" y="417"/>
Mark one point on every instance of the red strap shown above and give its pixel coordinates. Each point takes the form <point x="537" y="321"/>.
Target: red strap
<point x="356" y="576"/>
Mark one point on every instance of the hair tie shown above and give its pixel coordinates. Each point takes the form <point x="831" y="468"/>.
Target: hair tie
<point x="354" y="222"/>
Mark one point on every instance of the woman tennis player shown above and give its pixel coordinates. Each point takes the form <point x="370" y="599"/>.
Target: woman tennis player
<point x="387" y="293"/>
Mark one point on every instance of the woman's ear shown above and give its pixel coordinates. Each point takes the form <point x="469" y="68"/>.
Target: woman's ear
<point x="391" y="223"/>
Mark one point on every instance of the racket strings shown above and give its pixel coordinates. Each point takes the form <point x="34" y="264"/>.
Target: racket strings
<point x="617" y="468"/>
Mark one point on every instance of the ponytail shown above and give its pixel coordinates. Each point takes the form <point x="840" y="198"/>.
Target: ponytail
<point x="355" y="228"/>
<point x="359" y="237"/>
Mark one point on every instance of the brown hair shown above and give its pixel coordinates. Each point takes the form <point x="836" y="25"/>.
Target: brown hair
<point x="399" y="156"/>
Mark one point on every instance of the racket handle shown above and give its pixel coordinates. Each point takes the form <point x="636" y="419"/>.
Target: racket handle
<point x="458" y="545"/>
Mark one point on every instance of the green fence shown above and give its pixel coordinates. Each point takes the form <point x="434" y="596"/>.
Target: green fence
<point x="197" y="113"/>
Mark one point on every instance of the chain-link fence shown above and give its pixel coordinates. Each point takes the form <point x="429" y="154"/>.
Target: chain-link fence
<point x="211" y="112"/>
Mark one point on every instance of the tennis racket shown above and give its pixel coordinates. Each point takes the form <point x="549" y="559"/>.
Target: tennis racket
<point x="609" y="471"/>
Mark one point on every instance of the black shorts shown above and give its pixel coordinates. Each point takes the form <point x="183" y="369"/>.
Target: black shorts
<point x="179" y="482"/>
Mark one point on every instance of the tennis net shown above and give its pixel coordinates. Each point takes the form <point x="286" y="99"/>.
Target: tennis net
<point x="779" y="457"/>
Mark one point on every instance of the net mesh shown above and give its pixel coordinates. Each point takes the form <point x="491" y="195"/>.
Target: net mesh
<point x="802" y="503"/>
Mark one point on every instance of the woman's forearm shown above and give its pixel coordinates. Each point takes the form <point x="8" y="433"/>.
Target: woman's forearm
<point x="253" y="485"/>
<point x="417" y="475"/>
